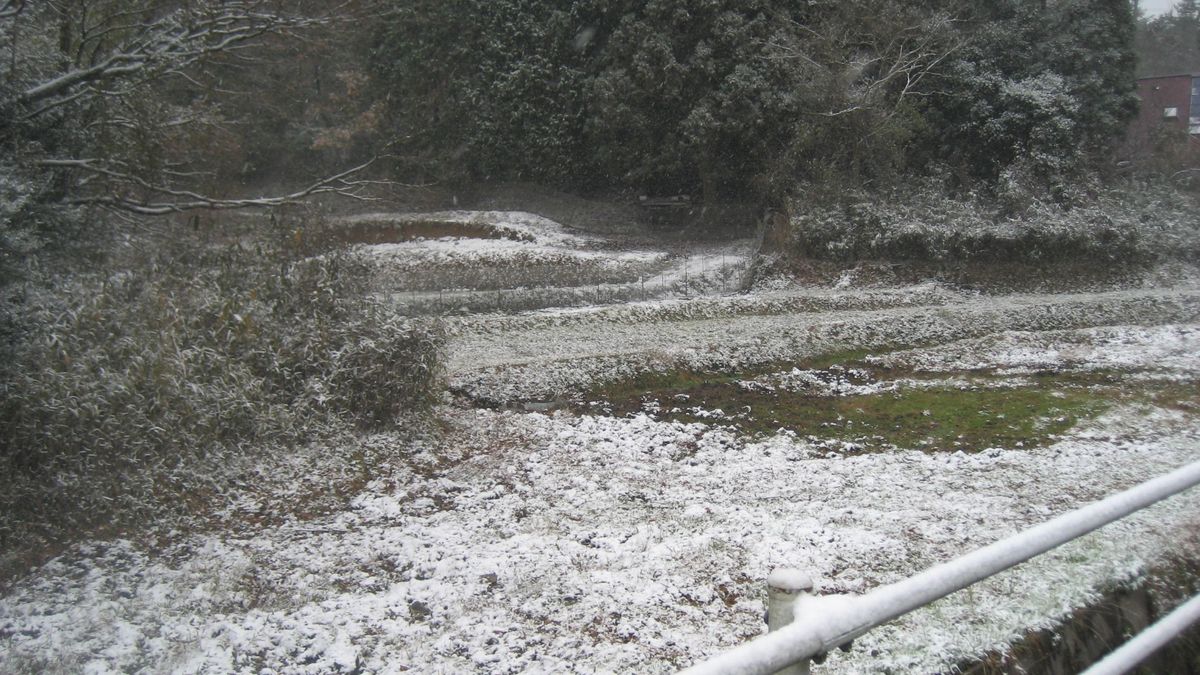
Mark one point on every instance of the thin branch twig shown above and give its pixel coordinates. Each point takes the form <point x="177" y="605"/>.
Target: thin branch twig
<point x="187" y="200"/>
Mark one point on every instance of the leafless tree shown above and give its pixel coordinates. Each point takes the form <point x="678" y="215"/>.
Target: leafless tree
<point x="870" y="71"/>
<point x="115" y="101"/>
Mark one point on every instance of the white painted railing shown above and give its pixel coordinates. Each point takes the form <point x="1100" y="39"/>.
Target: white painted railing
<point x="807" y="626"/>
<point x="1125" y="658"/>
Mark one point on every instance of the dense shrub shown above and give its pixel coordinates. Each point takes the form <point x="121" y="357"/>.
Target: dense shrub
<point x="128" y="391"/>
<point x="1038" y="93"/>
<point x="1130" y="225"/>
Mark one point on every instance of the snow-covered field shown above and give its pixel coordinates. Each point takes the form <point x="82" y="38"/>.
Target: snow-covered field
<point x="543" y="358"/>
<point x="532" y="262"/>
<point x="559" y="542"/>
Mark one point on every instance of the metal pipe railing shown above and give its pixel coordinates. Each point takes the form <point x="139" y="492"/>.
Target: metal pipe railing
<point x="1126" y="657"/>
<point x="825" y="622"/>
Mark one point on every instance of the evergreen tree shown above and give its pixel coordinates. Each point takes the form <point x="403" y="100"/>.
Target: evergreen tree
<point x="1040" y="93"/>
<point x="487" y="86"/>
<point x="731" y="99"/>
<point x="686" y="98"/>
<point x="1170" y="44"/>
<point x="718" y="98"/>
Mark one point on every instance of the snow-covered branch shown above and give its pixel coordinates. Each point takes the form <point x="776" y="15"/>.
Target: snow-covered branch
<point x="138" y="90"/>
<point x="170" y="44"/>
<point x="172" y="200"/>
<point x="11" y="8"/>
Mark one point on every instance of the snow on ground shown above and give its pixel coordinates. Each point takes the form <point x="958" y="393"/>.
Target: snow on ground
<point x="669" y="310"/>
<point x="512" y="224"/>
<point x="531" y="542"/>
<point x="453" y="263"/>
<point x="1170" y="350"/>
<point x="540" y="262"/>
<point x="526" y="250"/>
<point x="440" y="251"/>
<point x="545" y="361"/>
<point x="528" y="542"/>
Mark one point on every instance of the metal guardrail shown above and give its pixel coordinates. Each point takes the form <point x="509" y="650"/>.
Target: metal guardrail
<point x="1128" y="655"/>
<point x="807" y="626"/>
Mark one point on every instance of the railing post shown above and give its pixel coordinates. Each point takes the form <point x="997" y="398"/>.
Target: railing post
<point x="839" y="621"/>
<point x="784" y="586"/>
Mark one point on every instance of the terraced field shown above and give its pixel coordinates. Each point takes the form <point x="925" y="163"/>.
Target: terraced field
<point x="612" y="476"/>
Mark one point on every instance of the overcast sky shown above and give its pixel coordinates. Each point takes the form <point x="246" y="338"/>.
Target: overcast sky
<point x="1156" y="7"/>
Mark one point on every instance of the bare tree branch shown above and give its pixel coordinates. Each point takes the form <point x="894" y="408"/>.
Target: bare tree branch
<point x="11" y="8"/>
<point x="170" y="44"/>
<point x="187" y="200"/>
<point x="132" y="146"/>
<point x="905" y="59"/>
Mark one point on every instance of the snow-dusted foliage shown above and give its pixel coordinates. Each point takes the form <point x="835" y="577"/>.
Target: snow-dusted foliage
<point x="1134" y="224"/>
<point x="1039" y="92"/>
<point x="718" y="97"/>
<point x="134" y="391"/>
<point x="135" y="377"/>
<point x="724" y="98"/>
<point x="16" y="199"/>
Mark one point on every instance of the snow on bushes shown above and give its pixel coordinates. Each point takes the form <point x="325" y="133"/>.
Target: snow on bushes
<point x="129" y="392"/>
<point x="1141" y="224"/>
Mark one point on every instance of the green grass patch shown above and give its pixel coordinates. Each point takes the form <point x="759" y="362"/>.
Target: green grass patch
<point x="933" y="419"/>
<point x="934" y="411"/>
<point x="987" y="413"/>
<point x="624" y="396"/>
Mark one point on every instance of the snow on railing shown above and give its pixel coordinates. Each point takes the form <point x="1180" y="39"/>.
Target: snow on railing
<point x="1125" y="658"/>
<point x="804" y="626"/>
